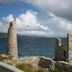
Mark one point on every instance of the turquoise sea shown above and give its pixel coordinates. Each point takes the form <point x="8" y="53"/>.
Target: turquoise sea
<point x="32" y="46"/>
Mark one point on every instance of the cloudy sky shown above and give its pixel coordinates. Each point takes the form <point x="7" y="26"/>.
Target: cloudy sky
<point x="48" y="18"/>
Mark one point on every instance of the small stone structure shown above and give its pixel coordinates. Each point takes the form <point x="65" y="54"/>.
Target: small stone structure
<point x="61" y="51"/>
<point x="58" y="49"/>
<point x="69" y="44"/>
<point x="64" y="52"/>
<point x="12" y="40"/>
<point x="62" y="66"/>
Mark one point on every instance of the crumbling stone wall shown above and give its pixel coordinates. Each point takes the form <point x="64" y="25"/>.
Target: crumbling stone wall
<point x="69" y="45"/>
<point x="12" y="40"/>
<point x="58" y="49"/>
<point x="61" y="51"/>
<point x="62" y="66"/>
<point x="64" y="53"/>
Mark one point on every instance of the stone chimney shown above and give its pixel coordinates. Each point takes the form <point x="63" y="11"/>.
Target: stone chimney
<point x="12" y="40"/>
<point x="58" y="49"/>
<point x="69" y="45"/>
<point x="58" y="41"/>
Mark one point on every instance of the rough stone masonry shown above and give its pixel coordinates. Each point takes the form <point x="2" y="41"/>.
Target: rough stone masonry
<point x="12" y="40"/>
<point x="69" y="44"/>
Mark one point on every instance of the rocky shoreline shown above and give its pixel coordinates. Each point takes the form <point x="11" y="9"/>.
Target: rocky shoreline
<point x="46" y="63"/>
<point x="40" y="62"/>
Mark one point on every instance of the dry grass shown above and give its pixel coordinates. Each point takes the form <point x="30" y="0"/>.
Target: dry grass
<point x="29" y="68"/>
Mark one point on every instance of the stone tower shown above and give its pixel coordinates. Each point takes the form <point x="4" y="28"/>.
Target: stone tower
<point x="61" y="51"/>
<point x="12" y="40"/>
<point x="58" y="49"/>
<point x="69" y="45"/>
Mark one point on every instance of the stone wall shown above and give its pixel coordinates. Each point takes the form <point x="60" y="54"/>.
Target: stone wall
<point x="62" y="66"/>
<point x="65" y="53"/>
<point x="69" y="43"/>
<point x="61" y="51"/>
<point x="8" y="68"/>
<point x="12" y="40"/>
<point x="58" y="49"/>
<point x="47" y="63"/>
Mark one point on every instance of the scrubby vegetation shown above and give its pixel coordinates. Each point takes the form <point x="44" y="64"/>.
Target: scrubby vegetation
<point x="55" y="70"/>
<point x="5" y="57"/>
<point x="25" y="67"/>
<point x="29" y="68"/>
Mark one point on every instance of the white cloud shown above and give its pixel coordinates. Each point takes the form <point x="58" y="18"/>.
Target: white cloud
<point x="28" y="21"/>
<point x="62" y="24"/>
<point x="5" y="23"/>
<point x="0" y="23"/>
<point x="61" y="8"/>
<point x="8" y="18"/>
<point x="51" y="4"/>
<point x="28" y="24"/>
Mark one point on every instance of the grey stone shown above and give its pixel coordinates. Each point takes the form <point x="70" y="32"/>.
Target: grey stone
<point x="8" y="68"/>
<point x="62" y="66"/>
<point x="12" y="40"/>
<point x="69" y="45"/>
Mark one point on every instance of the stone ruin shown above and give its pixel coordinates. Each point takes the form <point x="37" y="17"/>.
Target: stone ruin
<point x="69" y="45"/>
<point x="64" y="52"/>
<point x="12" y="40"/>
<point x="58" y="49"/>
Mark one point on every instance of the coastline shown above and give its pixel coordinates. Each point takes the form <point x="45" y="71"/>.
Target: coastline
<point x="47" y="63"/>
<point x="42" y="62"/>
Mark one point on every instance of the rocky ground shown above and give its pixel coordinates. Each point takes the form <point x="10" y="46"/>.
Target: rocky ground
<point x="38" y="62"/>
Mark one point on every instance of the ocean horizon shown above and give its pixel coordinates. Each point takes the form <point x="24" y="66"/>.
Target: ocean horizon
<point x="33" y="46"/>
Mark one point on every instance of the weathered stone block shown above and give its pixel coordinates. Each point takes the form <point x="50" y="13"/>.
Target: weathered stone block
<point x="63" y="66"/>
